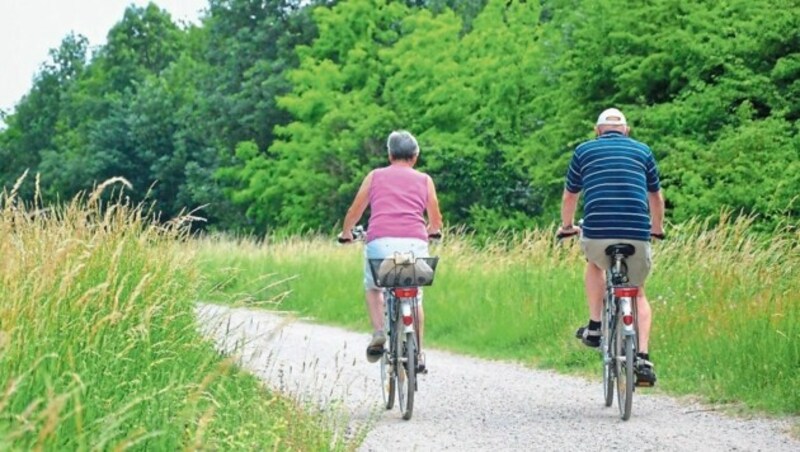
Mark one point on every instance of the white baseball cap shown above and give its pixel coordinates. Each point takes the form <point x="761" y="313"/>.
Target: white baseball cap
<point x="611" y="117"/>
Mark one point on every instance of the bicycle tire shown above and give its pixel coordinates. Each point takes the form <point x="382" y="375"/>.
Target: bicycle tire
<point x="389" y="360"/>
<point x="625" y="378"/>
<point x="389" y="373"/>
<point x="410" y="369"/>
<point x="609" y="356"/>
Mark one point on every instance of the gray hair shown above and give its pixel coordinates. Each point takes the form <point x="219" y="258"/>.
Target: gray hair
<point x="402" y="145"/>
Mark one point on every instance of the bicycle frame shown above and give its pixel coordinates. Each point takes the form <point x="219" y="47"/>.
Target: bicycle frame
<point x="401" y="321"/>
<point x="623" y="296"/>
<point x="402" y="301"/>
<point x="401" y="308"/>
<point x="619" y="311"/>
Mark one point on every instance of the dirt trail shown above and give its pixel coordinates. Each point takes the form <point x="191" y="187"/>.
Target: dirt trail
<point x="472" y="404"/>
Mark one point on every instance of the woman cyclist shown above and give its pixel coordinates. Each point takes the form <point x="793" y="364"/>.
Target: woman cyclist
<point x="399" y="197"/>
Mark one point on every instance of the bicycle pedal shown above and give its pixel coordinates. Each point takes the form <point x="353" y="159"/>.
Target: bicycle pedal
<point x="645" y="384"/>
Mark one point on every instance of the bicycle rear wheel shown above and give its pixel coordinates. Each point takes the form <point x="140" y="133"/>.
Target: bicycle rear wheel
<point x="389" y="374"/>
<point x="406" y="374"/>
<point x="624" y="370"/>
<point x="389" y="359"/>
<point x="607" y="349"/>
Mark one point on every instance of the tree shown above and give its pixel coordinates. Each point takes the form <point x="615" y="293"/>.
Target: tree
<point x="272" y="111"/>
<point x="33" y="126"/>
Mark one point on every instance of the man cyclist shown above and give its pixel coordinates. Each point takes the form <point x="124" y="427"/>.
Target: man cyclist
<point x="622" y="195"/>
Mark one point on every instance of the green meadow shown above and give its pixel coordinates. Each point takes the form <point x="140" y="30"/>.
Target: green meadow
<point x="99" y="347"/>
<point x="725" y="301"/>
<point x="266" y="115"/>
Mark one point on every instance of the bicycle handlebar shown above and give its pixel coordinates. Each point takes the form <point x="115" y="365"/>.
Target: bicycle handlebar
<point x="359" y="234"/>
<point x="570" y="234"/>
<point x="562" y="236"/>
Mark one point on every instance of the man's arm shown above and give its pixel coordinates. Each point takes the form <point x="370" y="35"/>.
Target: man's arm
<point x="569" y="203"/>
<point x="656" y="201"/>
<point x="572" y="191"/>
<point x="356" y="209"/>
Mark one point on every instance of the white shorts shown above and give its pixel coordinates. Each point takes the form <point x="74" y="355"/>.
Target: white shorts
<point x="386" y="247"/>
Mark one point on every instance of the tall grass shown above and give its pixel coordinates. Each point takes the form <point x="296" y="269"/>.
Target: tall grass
<point x="726" y="304"/>
<point x="99" y="348"/>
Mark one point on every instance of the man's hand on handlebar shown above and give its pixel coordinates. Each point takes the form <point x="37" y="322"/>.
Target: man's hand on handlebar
<point x="658" y="235"/>
<point x="567" y="231"/>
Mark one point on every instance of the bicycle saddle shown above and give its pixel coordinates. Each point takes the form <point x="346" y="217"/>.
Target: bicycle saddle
<point x="626" y="249"/>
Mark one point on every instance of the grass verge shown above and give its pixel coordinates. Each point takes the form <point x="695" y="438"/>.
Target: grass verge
<point x="99" y="348"/>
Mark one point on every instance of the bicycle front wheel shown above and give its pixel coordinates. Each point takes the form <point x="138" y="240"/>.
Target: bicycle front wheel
<point x="624" y="370"/>
<point x="407" y="375"/>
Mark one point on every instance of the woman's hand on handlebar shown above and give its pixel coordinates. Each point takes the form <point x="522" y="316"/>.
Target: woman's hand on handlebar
<point x="658" y="235"/>
<point x="357" y="233"/>
<point x="434" y="235"/>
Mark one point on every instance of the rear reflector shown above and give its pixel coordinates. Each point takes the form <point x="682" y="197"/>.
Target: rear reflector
<point x="627" y="319"/>
<point x="626" y="291"/>
<point x="405" y="292"/>
<point x="407" y="319"/>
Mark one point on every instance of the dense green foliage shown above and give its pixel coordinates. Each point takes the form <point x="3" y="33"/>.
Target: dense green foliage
<point x="271" y="111"/>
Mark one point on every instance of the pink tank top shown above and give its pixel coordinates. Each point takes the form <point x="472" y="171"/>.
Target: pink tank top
<point x="398" y="196"/>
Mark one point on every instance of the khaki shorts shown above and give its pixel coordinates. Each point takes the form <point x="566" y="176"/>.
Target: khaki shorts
<point x="638" y="264"/>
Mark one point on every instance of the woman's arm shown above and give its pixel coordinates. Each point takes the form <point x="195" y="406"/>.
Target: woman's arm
<point x="356" y="209"/>
<point x="434" y="215"/>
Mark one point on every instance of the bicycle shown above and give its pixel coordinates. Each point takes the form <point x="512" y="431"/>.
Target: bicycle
<point x="400" y="277"/>
<point x="619" y="332"/>
<point x="619" y="344"/>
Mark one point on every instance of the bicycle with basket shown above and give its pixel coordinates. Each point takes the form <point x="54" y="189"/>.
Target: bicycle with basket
<point x="401" y="277"/>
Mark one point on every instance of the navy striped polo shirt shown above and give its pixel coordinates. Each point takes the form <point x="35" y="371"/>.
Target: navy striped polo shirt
<point x="615" y="173"/>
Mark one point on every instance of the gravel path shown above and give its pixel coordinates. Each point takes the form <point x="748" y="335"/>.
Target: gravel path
<point x="472" y="404"/>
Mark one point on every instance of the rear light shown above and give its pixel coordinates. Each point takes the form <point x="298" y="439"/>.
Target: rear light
<point x="626" y="291"/>
<point x="405" y="292"/>
<point x="627" y="319"/>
